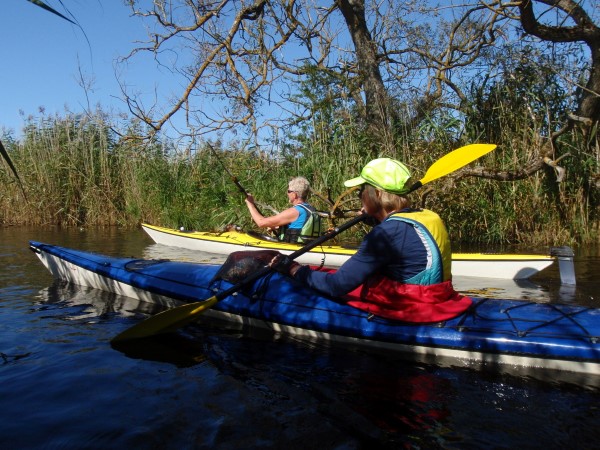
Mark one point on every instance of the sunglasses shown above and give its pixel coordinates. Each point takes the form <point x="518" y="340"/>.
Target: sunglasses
<point x="289" y="192"/>
<point x="361" y="190"/>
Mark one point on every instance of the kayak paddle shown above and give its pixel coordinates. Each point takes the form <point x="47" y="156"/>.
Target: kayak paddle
<point x="240" y="188"/>
<point x="172" y="319"/>
<point x="453" y="161"/>
<point x="175" y="318"/>
<point x="233" y="177"/>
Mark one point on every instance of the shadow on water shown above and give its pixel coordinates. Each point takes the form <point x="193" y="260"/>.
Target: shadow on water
<point x="387" y="403"/>
<point x="171" y="348"/>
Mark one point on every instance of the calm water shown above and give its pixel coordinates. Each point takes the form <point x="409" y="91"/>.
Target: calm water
<point x="62" y="386"/>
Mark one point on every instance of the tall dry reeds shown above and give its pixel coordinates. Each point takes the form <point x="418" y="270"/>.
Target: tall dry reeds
<point x="78" y="172"/>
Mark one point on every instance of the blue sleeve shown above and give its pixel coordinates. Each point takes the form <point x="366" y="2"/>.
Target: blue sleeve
<point x="373" y="254"/>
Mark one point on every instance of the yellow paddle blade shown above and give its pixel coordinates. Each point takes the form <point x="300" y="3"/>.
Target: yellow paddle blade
<point x="455" y="160"/>
<point x="166" y="321"/>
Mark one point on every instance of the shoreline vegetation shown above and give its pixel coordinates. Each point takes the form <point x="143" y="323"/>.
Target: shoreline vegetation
<point x="77" y="171"/>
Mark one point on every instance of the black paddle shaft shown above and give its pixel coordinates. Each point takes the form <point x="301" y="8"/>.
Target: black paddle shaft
<point x="306" y="248"/>
<point x="233" y="178"/>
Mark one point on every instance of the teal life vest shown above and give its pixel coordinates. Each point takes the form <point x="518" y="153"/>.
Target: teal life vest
<point x="433" y="234"/>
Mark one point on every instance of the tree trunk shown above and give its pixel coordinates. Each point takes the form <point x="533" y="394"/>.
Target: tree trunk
<point x="584" y="31"/>
<point x="589" y="106"/>
<point x="376" y="100"/>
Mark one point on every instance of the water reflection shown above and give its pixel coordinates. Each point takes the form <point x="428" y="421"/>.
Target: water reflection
<point x="498" y="288"/>
<point x="159" y="251"/>
<point x="93" y="302"/>
<point x="175" y="349"/>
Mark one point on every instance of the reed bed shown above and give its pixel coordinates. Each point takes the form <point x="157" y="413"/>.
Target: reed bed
<point x="77" y="171"/>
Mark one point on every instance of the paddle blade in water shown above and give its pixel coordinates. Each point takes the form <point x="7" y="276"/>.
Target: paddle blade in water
<point x="166" y="321"/>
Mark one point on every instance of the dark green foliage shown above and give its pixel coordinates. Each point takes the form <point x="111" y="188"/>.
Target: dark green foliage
<point x="523" y="95"/>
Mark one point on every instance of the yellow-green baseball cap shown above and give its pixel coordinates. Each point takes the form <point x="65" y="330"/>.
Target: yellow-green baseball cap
<point x="383" y="173"/>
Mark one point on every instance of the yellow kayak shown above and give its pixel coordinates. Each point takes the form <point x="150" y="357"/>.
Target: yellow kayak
<point x="485" y="265"/>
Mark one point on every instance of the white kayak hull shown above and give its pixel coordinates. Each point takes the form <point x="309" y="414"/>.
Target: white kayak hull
<point x="483" y="265"/>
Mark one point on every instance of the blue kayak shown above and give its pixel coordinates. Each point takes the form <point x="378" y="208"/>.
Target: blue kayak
<point x="493" y="333"/>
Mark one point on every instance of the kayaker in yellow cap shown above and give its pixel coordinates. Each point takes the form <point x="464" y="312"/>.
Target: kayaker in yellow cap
<point x="402" y="270"/>
<point x="295" y="224"/>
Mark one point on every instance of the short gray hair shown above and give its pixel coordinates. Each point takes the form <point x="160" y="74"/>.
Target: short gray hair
<point x="300" y="186"/>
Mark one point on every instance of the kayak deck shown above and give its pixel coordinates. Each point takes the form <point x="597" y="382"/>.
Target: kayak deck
<point x="487" y="265"/>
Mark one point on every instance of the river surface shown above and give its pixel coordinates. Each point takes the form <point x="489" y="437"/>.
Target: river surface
<point x="62" y="386"/>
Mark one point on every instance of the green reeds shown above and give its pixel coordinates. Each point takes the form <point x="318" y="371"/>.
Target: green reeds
<point x="78" y="172"/>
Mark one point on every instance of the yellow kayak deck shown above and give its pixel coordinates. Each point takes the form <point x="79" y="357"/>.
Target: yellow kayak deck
<point x="487" y="265"/>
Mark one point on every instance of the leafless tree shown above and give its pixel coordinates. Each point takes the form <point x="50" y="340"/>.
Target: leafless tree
<point x="252" y="54"/>
<point x="239" y="62"/>
<point x="558" y="22"/>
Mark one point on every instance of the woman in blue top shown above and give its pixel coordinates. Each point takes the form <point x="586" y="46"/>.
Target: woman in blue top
<point x="295" y="222"/>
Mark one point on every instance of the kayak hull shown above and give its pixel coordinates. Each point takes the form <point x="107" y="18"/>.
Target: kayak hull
<point x="486" y="265"/>
<point x="494" y="333"/>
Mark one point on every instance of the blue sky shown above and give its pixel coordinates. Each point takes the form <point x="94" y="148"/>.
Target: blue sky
<point x="41" y="54"/>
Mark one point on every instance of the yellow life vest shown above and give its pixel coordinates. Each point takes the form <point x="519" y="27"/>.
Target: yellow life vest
<point x="432" y="231"/>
